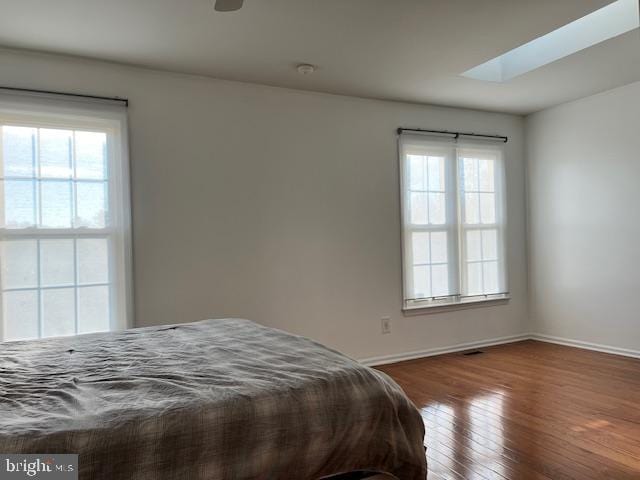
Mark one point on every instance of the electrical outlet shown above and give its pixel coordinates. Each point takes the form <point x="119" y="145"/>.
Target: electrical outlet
<point x="385" y="324"/>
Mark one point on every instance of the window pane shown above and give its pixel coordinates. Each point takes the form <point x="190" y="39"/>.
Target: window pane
<point x="440" y="280"/>
<point x="19" y="264"/>
<point x="419" y="208"/>
<point x="421" y="282"/>
<point x="420" y="244"/>
<point x="416" y="172"/>
<point x="470" y="174"/>
<point x="19" y="203"/>
<point x="56" y="262"/>
<point x="488" y="208"/>
<point x="56" y="204"/>
<point x="91" y="155"/>
<point x="490" y="276"/>
<point x="439" y="247"/>
<point x="91" y="204"/>
<point x="20" y="313"/>
<point x="486" y="174"/>
<point x="93" y="309"/>
<point x="18" y="151"/>
<point x="489" y="244"/>
<point x="471" y="208"/>
<point x="436" y="265"/>
<point x="55" y="153"/>
<point x="474" y="278"/>
<point x="93" y="260"/>
<point x="58" y="178"/>
<point x="58" y="312"/>
<point x="474" y="247"/>
<point x="437" y="214"/>
<point x="436" y="173"/>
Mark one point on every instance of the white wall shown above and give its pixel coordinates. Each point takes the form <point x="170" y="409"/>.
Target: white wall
<point x="280" y="206"/>
<point x="584" y="208"/>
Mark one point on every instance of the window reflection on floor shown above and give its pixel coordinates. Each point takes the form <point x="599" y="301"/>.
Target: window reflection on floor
<point x="466" y="436"/>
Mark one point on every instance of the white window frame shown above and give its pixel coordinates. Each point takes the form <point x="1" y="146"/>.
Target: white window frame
<point x="95" y="117"/>
<point x="450" y="149"/>
<point x="481" y="152"/>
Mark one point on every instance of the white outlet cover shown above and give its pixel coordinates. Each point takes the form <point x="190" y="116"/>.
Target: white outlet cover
<point x="385" y="324"/>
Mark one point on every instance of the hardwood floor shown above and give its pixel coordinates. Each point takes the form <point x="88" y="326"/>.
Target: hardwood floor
<point x="527" y="410"/>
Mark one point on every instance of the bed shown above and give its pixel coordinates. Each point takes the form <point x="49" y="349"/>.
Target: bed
<point x="217" y="399"/>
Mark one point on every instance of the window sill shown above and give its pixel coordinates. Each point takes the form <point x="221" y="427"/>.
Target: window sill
<point x="421" y="308"/>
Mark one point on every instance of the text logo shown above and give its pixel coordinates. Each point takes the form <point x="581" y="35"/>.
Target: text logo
<point x="39" y="467"/>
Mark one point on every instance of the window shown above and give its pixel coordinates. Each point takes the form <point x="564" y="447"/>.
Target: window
<point x="608" y="22"/>
<point x="453" y="219"/>
<point x="64" y="219"/>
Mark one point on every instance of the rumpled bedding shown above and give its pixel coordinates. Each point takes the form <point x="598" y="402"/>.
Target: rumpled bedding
<point x="217" y="399"/>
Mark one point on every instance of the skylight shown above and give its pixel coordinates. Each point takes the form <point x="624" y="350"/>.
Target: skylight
<point x="615" y="19"/>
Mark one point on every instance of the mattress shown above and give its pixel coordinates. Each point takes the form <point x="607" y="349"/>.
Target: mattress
<point x="216" y="399"/>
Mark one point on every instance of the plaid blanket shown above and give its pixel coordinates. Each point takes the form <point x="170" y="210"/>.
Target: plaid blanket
<point x="217" y="399"/>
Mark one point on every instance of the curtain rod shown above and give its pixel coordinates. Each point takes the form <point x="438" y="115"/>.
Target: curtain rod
<point x="455" y="134"/>
<point x="66" y="94"/>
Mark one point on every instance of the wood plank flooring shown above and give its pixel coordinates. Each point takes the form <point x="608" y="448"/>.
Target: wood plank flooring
<point x="527" y="410"/>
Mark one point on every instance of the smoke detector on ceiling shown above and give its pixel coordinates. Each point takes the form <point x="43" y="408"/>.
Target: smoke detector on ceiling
<point x="305" y="69"/>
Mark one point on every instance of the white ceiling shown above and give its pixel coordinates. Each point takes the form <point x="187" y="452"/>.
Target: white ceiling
<point x="409" y="50"/>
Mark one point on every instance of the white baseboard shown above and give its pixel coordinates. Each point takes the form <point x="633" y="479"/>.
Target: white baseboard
<point x="627" y="352"/>
<point x="596" y="347"/>
<point x="400" y="357"/>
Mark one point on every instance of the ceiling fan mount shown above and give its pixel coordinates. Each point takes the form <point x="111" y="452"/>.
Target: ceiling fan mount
<point x="228" y="5"/>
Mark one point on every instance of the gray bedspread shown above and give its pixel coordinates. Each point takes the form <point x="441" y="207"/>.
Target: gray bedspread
<point x="217" y="399"/>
